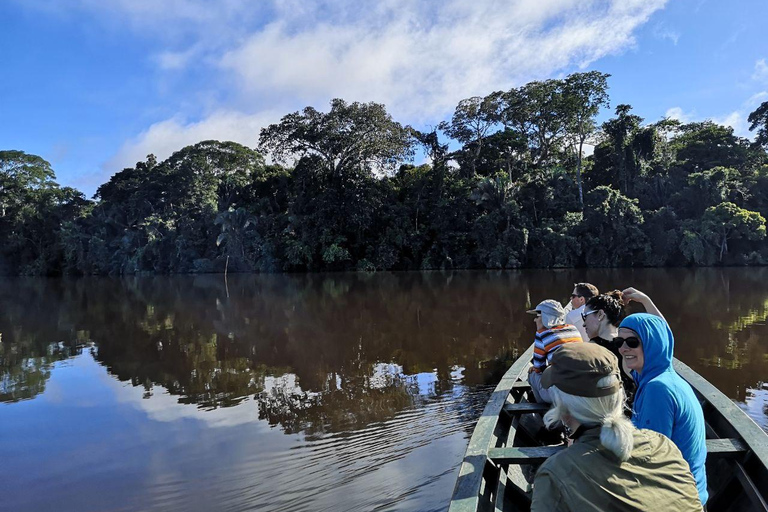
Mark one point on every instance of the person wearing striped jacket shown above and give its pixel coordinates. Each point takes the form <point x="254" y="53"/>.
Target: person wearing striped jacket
<point x="551" y="333"/>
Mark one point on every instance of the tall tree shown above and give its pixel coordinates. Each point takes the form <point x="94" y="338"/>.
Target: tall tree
<point x="759" y="121"/>
<point x="538" y="109"/>
<point x="585" y="94"/>
<point x="20" y="173"/>
<point x="617" y="160"/>
<point x="349" y="137"/>
<point x="471" y="123"/>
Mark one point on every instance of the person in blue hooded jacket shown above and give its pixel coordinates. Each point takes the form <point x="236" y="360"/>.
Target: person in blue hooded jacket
<point x="664" y="402"/>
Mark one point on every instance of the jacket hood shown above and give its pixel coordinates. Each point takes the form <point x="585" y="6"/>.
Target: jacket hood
<point x="658" y="344"/>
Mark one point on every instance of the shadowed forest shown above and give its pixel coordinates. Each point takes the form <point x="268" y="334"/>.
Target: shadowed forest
<point x="509" y="182"/>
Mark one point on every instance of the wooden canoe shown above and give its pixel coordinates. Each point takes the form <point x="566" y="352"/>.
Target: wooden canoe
<point x="509" y="442"/>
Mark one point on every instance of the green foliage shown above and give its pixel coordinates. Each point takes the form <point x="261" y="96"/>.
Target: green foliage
<point x="33" y="211"/>
<point x="720" y="225"/>
<point x="759" y="121"/>
<point x="619" y="158"/>
<point x="703" y="146"/>
<point x="508" y="194"/>
<point x="556" y="244"/>
<point x="470" y="125"/>
<point x="665" y="236"/>
<point x="349" y="137"/>
<point x="611" y="230"/>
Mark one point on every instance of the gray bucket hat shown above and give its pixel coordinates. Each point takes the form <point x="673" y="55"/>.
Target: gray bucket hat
<point x="552" y="313"/>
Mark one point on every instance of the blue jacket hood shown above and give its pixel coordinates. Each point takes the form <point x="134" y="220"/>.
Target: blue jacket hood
<point x="658" y="345"/>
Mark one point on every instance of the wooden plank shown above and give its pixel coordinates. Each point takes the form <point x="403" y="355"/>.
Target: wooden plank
<point x="466" y="494"/>
<point x="737" y="420"/>
<point x="525" y="408"/>
<point x="521" y="385"/>
<point x="725" y="448"/>
<point x="501" y="490"/>
<point x="751" y="489"/>
<point x="523" y="454"/>
<point x="716" y="448"/>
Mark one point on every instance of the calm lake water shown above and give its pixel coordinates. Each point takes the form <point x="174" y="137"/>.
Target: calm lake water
<point x="300" y="392"/>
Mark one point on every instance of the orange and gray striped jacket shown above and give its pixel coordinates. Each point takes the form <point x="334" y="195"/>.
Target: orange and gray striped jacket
<point x="549" y="340"/>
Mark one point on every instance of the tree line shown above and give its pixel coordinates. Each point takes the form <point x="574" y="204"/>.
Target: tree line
<point x="507" y="184"/>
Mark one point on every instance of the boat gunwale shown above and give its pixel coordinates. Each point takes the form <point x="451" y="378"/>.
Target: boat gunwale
<point x="745" y="427"/>
<point x="466" y="493"/>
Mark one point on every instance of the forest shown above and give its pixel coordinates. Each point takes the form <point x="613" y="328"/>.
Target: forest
<point x="519" y="178"/>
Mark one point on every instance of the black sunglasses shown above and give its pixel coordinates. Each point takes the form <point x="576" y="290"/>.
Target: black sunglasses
<point x="631" y="341"/>
<point x="574" y="295"/>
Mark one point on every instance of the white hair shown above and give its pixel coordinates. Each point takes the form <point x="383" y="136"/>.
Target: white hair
<point x="606" y="411"/>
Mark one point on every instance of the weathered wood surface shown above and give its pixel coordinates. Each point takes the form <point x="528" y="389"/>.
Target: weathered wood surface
<point x="725" y="448"/>
<point x="523" y="455"/>
<point x="525" y="408"/>
<point x="755" y="494"/>
<point x="466" y="494"/>
<point x="716" y="448"/>
<point x="734" y="422"/>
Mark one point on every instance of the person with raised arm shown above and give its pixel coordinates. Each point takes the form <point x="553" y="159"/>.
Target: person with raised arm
<point x="632" y="294"/>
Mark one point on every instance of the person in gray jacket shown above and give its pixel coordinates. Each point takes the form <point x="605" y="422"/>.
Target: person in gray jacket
<point x="611" y="465"/>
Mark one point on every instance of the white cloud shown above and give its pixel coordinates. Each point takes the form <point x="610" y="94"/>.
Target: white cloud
<point x="756" y="99"/>
<point x="662" y="31"/>
<point x="679" y="114"/>
<point x="761" y="71"/>
<point x="736" y="120"/>
<point x="420" y="59"/>
<point x="165" y="137"/>
<point x="270" y="57"/>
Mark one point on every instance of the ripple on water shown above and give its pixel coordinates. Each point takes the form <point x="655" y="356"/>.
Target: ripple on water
<point x="385" y="465"/>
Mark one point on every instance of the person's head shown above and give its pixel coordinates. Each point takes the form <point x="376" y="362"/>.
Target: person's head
<point x="602" y="311"/>
<point x="646" y="343"/>
<point x="549" y="313"/>
<point x="581" y="293"/>
<point x="584" y="383"/>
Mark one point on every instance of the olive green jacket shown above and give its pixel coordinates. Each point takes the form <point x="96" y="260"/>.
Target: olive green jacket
<point x="587" y="476"/>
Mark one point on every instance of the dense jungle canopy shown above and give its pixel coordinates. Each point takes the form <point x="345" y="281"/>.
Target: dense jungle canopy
<point x="508" y="184"/>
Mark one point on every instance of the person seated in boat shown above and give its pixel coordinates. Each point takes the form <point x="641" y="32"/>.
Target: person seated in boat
<point x="581" y="293"/>
<point x="611" y="465"/>
<point x="600" y="318"/>
<point x="551" y="333"/>
<point x="664" y="402"/>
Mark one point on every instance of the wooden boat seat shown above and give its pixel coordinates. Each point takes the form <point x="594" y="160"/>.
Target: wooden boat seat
<point x="716" y="448"/>
<point x="521" y="385"/>
<point x="525" y="408"/>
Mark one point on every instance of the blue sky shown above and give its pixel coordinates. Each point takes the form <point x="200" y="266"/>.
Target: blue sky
<point x="95" y="85"/>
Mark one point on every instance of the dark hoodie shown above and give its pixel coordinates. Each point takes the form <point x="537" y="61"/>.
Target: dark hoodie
<point x="664" y="402"/>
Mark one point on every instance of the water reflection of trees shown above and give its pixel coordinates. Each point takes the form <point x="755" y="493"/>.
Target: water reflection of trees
<point x="215" y="343"/>
<point x="718" y="316"/>
<point x="28" y="346"/>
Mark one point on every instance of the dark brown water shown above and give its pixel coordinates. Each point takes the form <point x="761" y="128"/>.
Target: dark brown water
<point x="299" y="392"/>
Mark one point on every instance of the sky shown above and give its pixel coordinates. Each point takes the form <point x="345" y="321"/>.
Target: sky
<point x="93" y="86"/>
